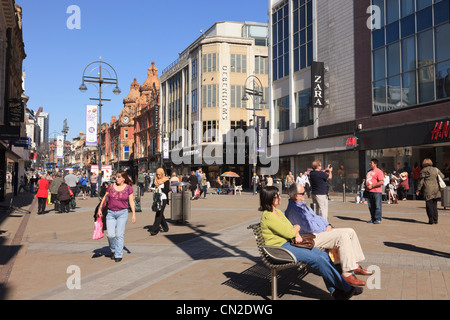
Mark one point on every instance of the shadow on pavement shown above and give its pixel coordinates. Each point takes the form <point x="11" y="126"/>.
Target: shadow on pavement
<point x="413" y="248"/>
<point x="255" y="281"/>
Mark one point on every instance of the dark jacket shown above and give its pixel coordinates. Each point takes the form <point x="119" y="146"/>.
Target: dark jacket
<point x="193" y="180"/>
<point x="428" y="182"/>
<point x="63" y="192"/>
<point x="165" y="188"/>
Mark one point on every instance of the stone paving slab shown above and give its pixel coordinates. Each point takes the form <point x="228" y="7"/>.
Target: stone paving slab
<point x="214" y="257"/>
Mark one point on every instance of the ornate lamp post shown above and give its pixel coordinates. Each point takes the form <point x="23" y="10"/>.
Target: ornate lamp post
<point x="100" y="80"/>
<point x="254" y="88"/>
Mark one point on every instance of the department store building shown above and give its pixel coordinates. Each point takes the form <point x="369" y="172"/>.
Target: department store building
<point x="201" y="99"/>
<point x="385" y="94"/>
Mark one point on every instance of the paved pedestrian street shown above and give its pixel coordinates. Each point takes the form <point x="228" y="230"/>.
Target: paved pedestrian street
<point x="213" y="256"/>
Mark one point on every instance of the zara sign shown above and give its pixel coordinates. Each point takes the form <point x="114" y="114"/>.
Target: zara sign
<point x="318" y="84"/>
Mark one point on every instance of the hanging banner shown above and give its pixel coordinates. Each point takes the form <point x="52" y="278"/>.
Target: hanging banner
<point x="59" y="147"/>
<point x="318" y="84"/>
<point x="91" y="125"/>
<point x="261" y="134"/>
<point x="166" y="148"/>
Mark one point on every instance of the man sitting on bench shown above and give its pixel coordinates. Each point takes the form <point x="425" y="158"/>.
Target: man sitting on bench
<point x="345" y="239"/>
<point x="278" y="231"/>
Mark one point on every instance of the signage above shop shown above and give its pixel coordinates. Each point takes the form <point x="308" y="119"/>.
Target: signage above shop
<point x="16" y="111"/>
<point x="351" y="142"/>
<point x="441" y="131"/>
<point x="318" y="84"/>
<point x="9" y="132"/>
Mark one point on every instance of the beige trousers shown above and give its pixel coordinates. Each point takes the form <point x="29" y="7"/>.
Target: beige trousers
<point x="322" y="202"/>
<point x="347" y="241"/>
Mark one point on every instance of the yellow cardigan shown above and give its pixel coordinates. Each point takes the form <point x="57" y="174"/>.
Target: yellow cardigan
<point x="275" y="230"/>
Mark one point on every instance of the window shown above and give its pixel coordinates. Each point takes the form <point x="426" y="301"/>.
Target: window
<point x="210" y="131"/>
<point x="194" y="68"/>
<point x="410" y="53"/>
<point x="237" y="92"/>
<point x="126" y="153"/>
<point x="238" y="63"/>
<point x="210" y="96"/>
<point x="261" y="65"/>
<point x="305" y="112"/>
<point x="280" y="41"/>
<point x="282" y="114"/>
<point x="210" y="62"/>
<point x="303" y="34"/>
<point x="194" y="100"/>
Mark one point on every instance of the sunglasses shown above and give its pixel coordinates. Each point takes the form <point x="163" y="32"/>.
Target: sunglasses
<point x="302" y="193"/>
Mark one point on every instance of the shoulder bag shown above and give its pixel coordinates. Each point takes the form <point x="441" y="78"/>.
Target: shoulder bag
<point x="441" y="182"/>
<point x="157" y="203"/>
<point x="307" y="243"/>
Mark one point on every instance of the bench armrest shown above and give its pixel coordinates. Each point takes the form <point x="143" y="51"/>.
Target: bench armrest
<point x="279" y="254"/>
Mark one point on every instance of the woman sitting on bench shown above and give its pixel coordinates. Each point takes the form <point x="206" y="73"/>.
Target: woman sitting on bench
<point x="278" y="231"/>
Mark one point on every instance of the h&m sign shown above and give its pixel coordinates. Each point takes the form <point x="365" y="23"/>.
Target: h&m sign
<point x="318" y="84"/>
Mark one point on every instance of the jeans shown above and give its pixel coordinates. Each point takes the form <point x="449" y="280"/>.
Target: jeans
<point x="320" y="261"/>
<point x="203" y="191"/>
<point x="115" y="223"/>
<point x="141" y="188"/>
<point x="375" y="201"/>
<point x="93" y="189"/>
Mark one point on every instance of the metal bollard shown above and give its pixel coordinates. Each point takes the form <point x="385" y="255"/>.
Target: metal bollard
<point x="343" y="192"/>
<point x="313" y="206"/>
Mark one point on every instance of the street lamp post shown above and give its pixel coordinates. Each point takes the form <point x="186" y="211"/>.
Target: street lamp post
<point x="255" y="90"/>
<point x="64" y="131"/>
<point x="100" y="66"/>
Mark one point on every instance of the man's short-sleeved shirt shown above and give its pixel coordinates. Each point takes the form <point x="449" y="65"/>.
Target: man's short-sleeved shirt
<point x="372" y="177"/>
<point x="318" y="181"/>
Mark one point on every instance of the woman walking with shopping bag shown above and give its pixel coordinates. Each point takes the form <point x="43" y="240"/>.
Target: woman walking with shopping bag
<point x="161" y="185"/>
<point x="428" y="184"/>
<point x="120" y="196"/>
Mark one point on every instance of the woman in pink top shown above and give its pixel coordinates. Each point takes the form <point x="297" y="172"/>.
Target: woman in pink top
<point x="120" y="196"/>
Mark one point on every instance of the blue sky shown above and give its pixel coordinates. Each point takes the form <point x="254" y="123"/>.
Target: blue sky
<point x="128" y="34"/>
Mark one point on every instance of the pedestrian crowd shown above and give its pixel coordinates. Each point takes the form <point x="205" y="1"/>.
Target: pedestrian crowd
<point x="58" y="188"/>
<point x="311" y="238"/>
<point x="290" y="229"/>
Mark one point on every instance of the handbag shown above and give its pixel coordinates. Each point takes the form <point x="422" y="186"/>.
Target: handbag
<point x="307" y="241"/>
<point x="73" y="203"/>
<point x="197" y="192"/>
<point x="98" y="229"/>
<point x="137" y="206"/>
<point x="441" y="182"/>
<point x="157" y="203"/>
<point x="49" y="199"/>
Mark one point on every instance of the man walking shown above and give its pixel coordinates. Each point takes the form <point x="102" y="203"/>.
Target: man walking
<point x="93" y="181"/>
<point x="290" y="179"/>
<point x="141" y="181"/>
<point x="318" y="180"/>
<point x="72" y="181"/>
<point x="374" y="186"/>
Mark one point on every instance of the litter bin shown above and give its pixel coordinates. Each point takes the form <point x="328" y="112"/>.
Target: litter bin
<point x="277" y="183"/>
<point x="445" y="197"/>
<point x="180" y="206"/>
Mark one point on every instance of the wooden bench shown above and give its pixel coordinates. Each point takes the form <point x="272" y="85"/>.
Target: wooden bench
<point x="275" y="258"/>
